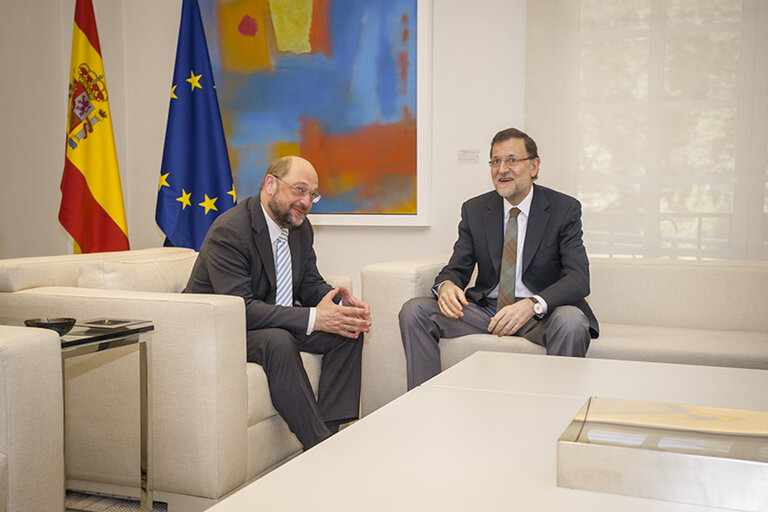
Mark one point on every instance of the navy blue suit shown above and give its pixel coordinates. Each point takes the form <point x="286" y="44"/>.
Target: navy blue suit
<point x="554" y="267"/>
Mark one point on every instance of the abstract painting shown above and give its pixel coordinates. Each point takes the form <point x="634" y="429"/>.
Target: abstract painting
<point x="334" y="81"/>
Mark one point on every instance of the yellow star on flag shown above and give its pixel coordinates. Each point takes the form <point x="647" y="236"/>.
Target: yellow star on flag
<point x="184" y="199"/>
<point x="209" y="204"/>
<point x="173" y="93"/>
<point x="194" y="80"/>
<point x="163" y="181"/>
<point x="233" y="193"/>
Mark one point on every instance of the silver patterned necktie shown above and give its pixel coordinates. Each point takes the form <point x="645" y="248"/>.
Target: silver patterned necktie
<point x="508" y="262"/>
<point x="284" y="293"/>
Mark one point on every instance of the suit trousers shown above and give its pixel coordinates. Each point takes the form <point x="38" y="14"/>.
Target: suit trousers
<point x="338" y="401"/>
<point x="563" y="332"/>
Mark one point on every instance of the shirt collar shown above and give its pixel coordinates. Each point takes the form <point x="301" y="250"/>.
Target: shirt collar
<point x="524" y="206"/>
<point x="274" y="229"/>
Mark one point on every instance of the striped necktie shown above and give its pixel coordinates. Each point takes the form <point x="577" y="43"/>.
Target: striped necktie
<point x="284" y="293"/>
<point x="508" y="262"/>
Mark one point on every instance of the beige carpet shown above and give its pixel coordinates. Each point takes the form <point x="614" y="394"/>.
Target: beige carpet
<point x="79" y="501"/>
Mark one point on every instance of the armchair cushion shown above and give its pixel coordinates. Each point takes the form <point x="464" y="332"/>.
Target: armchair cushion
<point x="166" y="274"/>
<point x="65" y="270"/>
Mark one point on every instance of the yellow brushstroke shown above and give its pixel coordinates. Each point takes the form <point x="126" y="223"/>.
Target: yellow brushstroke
<point x="292" y="20"/>
<point x="283" y="148"/>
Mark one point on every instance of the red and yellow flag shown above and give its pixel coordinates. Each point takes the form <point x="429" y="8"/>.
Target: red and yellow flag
<point x="92" y="208"/>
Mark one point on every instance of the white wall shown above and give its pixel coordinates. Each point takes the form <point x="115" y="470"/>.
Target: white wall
<point x="478" y="63"/>
<point x="34" y="58"/>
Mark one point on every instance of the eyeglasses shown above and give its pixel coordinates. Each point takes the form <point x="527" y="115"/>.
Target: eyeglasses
<point x="509" y="162"/>
<point x="301" y="191"/>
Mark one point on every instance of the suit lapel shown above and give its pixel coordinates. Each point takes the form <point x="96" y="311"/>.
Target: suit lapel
<point x="494" y="232"/>
<point x="296" y="244"/>
<point x="538" y="218"/>
<point x="262" y="241"/>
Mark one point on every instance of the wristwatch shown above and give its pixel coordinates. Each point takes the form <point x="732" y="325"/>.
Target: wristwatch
<point x="538" y="309"/>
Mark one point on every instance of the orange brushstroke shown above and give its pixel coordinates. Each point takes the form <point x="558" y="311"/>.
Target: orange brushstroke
<point x="364" y="160"/>
<point x="320" y="32"/>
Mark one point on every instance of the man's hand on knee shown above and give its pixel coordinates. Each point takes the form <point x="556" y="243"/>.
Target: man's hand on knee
<point x="451" y="300"/>
<point x="511" y="318"/>
<point x="348" y="319"/>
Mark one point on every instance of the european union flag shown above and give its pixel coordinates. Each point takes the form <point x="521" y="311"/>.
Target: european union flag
<point x="195" y="179"/>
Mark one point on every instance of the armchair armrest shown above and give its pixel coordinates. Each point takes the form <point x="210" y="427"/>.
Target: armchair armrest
<point x="385" y="288"/>
<point x="31" y="420"/>
<point x="339" y="280"/>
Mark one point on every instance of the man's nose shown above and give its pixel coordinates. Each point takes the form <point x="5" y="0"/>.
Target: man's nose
<point x="306" y="201"/>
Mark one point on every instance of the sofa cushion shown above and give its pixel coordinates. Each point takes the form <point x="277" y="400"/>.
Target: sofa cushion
<point x="729" y="295"/>
<point x="159" y="273"/>
<point x="66" y="269"/>
<point x="740" y="349"/>
<point x="24" y="273"/>
<point x="453" y="350"/>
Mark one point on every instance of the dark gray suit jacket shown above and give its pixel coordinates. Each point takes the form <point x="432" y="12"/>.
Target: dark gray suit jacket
<point x="236" y="259"/>
<point x="555" y="264"/>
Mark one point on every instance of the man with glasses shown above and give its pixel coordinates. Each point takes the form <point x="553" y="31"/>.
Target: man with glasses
<point x="261" y="250"/>
<point x="532" y="268"/>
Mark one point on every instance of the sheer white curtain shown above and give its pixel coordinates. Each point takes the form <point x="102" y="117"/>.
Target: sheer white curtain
<point x="654" y="113"/>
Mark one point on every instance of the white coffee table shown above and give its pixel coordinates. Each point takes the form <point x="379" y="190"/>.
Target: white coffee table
<point x="483" y="436"/>
<point x="566" y="376"/>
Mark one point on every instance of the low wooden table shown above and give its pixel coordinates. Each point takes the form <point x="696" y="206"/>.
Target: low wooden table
<point x="483" y="436"/>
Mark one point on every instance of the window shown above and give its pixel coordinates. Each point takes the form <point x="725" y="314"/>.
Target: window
<point x="654" y="113"/>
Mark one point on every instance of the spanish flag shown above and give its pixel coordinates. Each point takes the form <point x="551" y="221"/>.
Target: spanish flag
<point x="91" y="195"/>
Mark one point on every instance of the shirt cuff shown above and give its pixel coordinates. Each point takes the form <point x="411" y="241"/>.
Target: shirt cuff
<point x="311" y="324"/>
<point x="543" y="303"/>
<point x="436" y="288"/>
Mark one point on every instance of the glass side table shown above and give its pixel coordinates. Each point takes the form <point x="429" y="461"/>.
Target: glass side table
<point x="102" y="334"/>
<point x="90" y="336"/>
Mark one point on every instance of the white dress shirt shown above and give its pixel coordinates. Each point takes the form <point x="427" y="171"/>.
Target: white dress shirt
<point x="274" y="232"/>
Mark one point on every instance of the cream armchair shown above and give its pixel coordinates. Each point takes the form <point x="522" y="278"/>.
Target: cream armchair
<point x="213" y="427"/>
<point x="31" y="420"/>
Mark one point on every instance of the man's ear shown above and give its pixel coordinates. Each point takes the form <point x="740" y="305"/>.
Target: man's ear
<point x="535" y="167"/>
<point x="269" y="184"/>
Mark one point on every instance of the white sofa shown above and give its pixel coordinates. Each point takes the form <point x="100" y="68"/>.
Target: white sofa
<point x="213" y="427"/>
<point x="31" y="420"/>
<point x="703" y="312"/>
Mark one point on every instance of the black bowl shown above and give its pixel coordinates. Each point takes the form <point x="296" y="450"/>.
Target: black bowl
<point x="60" y="325"/>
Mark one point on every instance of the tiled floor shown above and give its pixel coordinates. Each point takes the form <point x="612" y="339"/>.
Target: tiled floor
<point x="86" y="502"/>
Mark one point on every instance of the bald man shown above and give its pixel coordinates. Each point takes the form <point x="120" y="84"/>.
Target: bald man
<point x="299" y="313"/>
